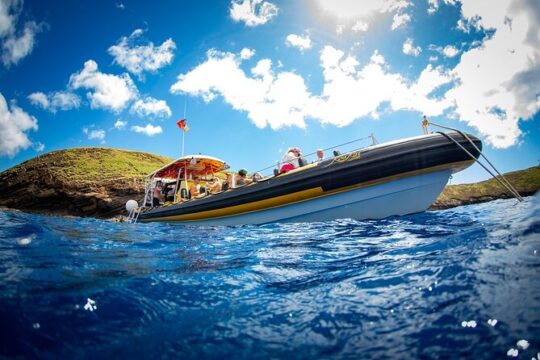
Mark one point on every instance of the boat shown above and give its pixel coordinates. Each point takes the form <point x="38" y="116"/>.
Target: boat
<point x="394" y="178"/>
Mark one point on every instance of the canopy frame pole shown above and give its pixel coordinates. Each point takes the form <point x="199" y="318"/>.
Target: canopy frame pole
<point x="176" y="186"/>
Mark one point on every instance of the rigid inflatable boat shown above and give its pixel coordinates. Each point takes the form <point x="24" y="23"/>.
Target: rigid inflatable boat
<point x="394" y="178"/>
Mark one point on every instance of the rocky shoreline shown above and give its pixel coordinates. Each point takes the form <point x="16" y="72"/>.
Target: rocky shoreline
<point x="97" y="182"/>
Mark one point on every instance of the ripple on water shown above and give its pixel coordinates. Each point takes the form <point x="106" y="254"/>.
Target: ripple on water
<point x="398" y="287"/>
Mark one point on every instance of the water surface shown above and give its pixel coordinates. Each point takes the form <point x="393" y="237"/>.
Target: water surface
<point x="393" y="288"/>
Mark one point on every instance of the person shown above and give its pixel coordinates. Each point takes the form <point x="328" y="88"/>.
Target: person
<point x="425" y="124"/>
<point x="241" y="178"/>
<point x="168" y="191"/>
<point x="195" y="188"/>
<point x="214" y="186"/>
<point x="320" y="155"/>
<point x="228" y="183"/>
<point x="158" y="194"/>
<point x="256" y="177"/>
<point x="291" y="160"/>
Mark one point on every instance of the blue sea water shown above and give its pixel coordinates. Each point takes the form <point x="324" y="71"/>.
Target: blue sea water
<point x="408" y="287"/>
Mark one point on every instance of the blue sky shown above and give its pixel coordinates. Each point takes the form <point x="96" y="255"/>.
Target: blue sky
<point x="258" y="76"/>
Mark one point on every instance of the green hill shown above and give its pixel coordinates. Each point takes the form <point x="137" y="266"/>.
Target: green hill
<point x="526" y="181"/>
<point x="80" y="181"/>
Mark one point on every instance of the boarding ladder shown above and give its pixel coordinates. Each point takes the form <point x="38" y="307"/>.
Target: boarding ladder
<point x="134" y="213"/>
<point x="501" y="179"/>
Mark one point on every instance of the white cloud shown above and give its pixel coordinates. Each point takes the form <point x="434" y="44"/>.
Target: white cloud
<point x="39" y="147"/>
<point x="252" y="12"/>
<point x="39" y="99"/>
<point x="499" y="82"/>
<point x="282" y="99"/>
<point x="58" y="100"/>
<point x="450" y="51"/>
<point x="138" y="58"/>
<point x="346" y="9"/>
<point x="107" y="91"/>
<point x="433" y="58"/>
<point x="14" y="127"/>
<point x="8" y="17"/>
<point x="16" y="45"/>
<point x="95" y="134"/>
<point x="148" y="130"/>
<point x="433" y="5"/>
<point x="399" y="20"/>
<point x="360" y="26"/>
<point x="299" y="41"/>
<point x="247" y="53"/>
<point x="120" y="124"/>
<point x="151" y="107"/>
<point x="15" y="48"/>
<point x="410" y="49"/>
<point x="362" y="12"/>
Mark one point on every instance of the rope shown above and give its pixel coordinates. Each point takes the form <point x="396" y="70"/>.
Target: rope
<point x="485" y="168"/>
<point x="508" y="186"/>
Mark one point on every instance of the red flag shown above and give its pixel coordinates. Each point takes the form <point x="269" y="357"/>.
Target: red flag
<point x="183" y="125"/>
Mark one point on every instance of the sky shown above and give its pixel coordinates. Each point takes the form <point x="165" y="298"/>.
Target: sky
<point x="253" y="77"/>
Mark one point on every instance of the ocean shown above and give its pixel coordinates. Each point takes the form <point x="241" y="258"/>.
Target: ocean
<point x="459" y="283"/>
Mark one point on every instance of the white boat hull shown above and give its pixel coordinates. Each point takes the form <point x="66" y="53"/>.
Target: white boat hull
<point x="398" y="197"/>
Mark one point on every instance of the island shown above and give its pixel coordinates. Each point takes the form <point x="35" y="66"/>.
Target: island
<point x="97" y="182"/>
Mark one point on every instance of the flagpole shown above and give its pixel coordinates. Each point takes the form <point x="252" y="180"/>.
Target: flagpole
<point x="183" y="132"/>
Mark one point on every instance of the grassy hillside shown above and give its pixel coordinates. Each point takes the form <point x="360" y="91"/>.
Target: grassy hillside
<point x="80" y="181"/>
<point x="87" y="166"/>
<point x="526" y="181"/>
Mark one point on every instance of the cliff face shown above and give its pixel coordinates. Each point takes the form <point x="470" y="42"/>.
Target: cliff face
<point x="93" y="182"/>
<point x="526" y="182"/>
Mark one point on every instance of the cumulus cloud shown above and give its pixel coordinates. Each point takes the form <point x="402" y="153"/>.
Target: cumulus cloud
<point x="410" y="49"/>
<point x="399" y="20"/>
<point x="360" y="26"/>
<point x="282" y="99"/>
<point x="138" y="58"/>
<point x="363" y="12"/>
<point x="151" y="107"/>
<point x="16" y="44"/>
<point x="493" y="87"/>
<point x="346" y="9"/>
<point x="298" y="41"/>
<point x="247" y="53"/>
<point x="497" y="81"/>
<point x="94" y="134"/>
<point x="433" y="5"/>
<point x="58" y="100"/>
<point x="107" y="91"/>
<point x="120" y="124"/>
<point x="148" y="130"/>
<point x="14" y="127"/>
<point x="450" y="51"/>
<point x="252" y="12"/>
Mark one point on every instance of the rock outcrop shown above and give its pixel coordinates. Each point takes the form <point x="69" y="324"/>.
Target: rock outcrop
<point x="526" y="182"/>
<point x="94" y="182"/>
